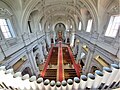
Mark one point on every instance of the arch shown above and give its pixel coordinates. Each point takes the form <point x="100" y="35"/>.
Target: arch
<point x="27" y="70"/>
<point x="31" y="6"/>
<point x="60" y="26"/>
<point x="60" y="21"/>
<point x="37" y="59"/>
<point x="93" y="69"/>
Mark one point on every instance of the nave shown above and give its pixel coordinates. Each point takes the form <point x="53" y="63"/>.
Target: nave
<point x="60" y="64"/>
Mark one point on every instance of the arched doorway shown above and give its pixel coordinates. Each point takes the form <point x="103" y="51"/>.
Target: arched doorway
<point x="37" y="58"/>
<point x="60" y="30"/>
<point x="27" y="70"/>
<point x="93" y="69"/>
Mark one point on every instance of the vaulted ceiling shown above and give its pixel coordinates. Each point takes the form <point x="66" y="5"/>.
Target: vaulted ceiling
<point x="53" y="11"/>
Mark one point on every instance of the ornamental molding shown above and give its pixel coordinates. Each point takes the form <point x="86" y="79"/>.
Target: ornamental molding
<point x="5" y="12"/>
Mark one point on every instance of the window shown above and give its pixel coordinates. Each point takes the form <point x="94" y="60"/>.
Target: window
<point x="89" y="25"/>
<point x="40" y="26"/>
<point x="29" y="26"/>
<point x="6" y="28"/>
<point x="79" y="26"/>
<point x="113" y="26"/>
<point x="71" y="26"/>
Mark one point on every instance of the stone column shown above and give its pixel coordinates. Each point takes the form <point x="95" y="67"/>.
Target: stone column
<point x="48" y="40"/>
<point x="42" y="58"/>
<point x="31" y="58"/>
<point x="72" y="40"/>
<point x="79" y="52"/>
<point x="75" y="49"/>
<point x="67" y="36"/>
<point x="45" y="50"/>
<point x="34" y="62"/>
<point x="88" y="60"/>
<point x="54" y="37"/>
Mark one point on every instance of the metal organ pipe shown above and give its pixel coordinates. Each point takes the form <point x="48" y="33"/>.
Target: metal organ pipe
<point x="69" y="84"/>
<point x="33" y="82"/>
<point x="109" y="78"/>
<point x="76" y="83"/>
<point x="8" y="79"/>
<point x="58" y="85"/>
<point x="18" y="81"/>
<point x="116" y="80"/>
<point x="47" y="84"/>
<point x="98" y="78"/>
<point x="40" y="83"/>
<point x="83" y="81"/>
<point x="52" y="85"/>
<point x="115" y="70"/>
<point x="64" y="85"/>
<point x="106" y="73"/>
<point x="90" y="80"/>
<point x="26" y="82"/>
<point x="2" y="76"/>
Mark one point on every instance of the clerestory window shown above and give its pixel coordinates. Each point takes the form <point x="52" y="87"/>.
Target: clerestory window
<point x="6" y="28"/>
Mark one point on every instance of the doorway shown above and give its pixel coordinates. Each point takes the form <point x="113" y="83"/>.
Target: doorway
<point x="60" y="29"/>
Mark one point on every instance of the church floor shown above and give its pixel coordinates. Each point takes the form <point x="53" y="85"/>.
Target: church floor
<point x="61" y="64"/>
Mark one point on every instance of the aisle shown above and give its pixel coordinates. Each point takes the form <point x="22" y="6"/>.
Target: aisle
<point x="46" y="63"/>
<point x="60" y="63"/>
<point x="76" y="66"/>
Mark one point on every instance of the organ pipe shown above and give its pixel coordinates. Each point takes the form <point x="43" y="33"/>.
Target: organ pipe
<point x="83" y="81"/>
<point x="18" y="81"/>
<point x="58" y="85"/>
<point x="76" y="83"/>
<point x="106" y="73"/>
<point x="33" y="82"/>
<point x="98" y="78"/>
<point x="108" y="79"/>
<point x="64" y="85"/>
<point x="26" y="82"/>
<point x="40" y="83"/>
<point x="69" y="84"/>
<point x="47" y="84"/>
<point x="52" y="85"/>
<point x="115" y="70"/>
<point x="90" y="80"/>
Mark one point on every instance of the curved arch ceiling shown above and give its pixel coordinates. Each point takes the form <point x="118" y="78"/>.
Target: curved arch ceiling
<point x="51" y="7"/>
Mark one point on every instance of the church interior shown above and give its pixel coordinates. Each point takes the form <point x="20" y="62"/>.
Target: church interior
<point x="59" y="44"/>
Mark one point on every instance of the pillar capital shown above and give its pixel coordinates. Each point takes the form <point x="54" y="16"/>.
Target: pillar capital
<point x="92" y="48"/>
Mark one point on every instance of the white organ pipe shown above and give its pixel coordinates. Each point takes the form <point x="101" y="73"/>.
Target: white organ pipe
<point x="26" y="82"/>
<point x="98" y="78"/>
<point x="69" y="84"/>
<point x="83" y="81"/>
<point x="18" y="81"/>
<point x="115" y="70"/>
<point x="40" y="83"/>
<point x="118" y="81"/>
<point x="2" y="76"/>
<point x="90" y="80"/>
<point x="118" y="84"/>
<point x="33" y="82"/>
<point x="58" y="85"/>
<point x="76" y="83"/>
<point x="2" y="68"/>
<point x="47" y="84"/>
<point x="52" y="85"/>
<point x="115" y="81"/>
<point x="106" y="73"/>
<point x="64" y="85"/>
<point x="8" y="79"/>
